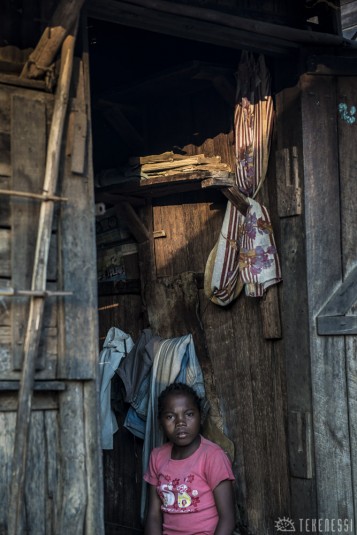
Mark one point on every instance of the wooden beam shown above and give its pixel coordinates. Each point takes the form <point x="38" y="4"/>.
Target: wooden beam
<point x="10" y="79"/>
<point x="336" y="325"/>
<point x="246" y="28"/>
<point x="136" y="226"/>
<point x="343" y="298"/>
<point x="234" y="21"/>
<point x="140" y="17"/>
<point x="43" y="386"/>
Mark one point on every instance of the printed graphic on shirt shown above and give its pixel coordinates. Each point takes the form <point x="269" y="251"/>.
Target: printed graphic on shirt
<point x="177" y="496"/>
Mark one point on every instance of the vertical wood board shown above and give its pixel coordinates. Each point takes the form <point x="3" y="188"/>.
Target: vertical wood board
<point x="324" y="271"/>
<point x="40" y="501"/>
<point x="28" y="155"/>
<point x="295" y="320"/>
<point x="191" y="231"/>
<point x="78" y="264"/>
<point x="250" y="380"/>
<point x="73" y="484"/>
<point x="346" y="91"/>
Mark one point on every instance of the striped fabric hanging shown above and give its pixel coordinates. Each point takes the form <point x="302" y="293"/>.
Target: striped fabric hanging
<point x="245" y="253"/>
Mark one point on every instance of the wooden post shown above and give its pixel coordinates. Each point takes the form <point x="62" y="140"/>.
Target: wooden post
<point x="38" y="283"/>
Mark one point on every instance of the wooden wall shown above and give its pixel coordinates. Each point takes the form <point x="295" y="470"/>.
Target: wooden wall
<point x="63" y="479"/>
<point x="318" y="255"/>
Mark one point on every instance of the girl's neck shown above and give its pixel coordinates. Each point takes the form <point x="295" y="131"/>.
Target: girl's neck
<point x="183" y="452"/>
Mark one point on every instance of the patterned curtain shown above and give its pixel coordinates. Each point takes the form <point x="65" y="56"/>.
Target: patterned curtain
<point x="245" y="254"/>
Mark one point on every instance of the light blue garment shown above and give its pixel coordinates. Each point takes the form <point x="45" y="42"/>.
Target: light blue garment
<point x="134" y="423"/>
<point x="175" y="360"/>
<point x="117" y="344"/>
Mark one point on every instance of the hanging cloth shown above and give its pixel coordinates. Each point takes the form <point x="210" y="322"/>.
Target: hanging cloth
<point x="242" y="257"/>
<point x="116" y="345"/>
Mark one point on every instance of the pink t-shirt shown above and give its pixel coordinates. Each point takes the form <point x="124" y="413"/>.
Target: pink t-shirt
<point x="186" y="486"/>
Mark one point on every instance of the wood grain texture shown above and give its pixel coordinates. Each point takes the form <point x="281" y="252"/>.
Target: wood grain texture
<point x="324" y="272"/>
<point x="346" y="90"/>
<point x="28" y="154"/>
<point x="78" y="261"/>
<point x="250" y="381"/>
<point x="40" y="503"/>
<point x="72" y="478"/>
<point x="186" y="246"/>
<point x="293" y="298"/>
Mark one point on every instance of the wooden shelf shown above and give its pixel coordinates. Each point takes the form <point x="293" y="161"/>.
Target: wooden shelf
<point x="165" y="185"/>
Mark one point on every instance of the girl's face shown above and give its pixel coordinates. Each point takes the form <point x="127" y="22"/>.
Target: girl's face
<point x="181" y="419"/>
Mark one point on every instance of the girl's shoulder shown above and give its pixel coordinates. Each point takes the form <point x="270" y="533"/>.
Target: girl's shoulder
<point x="163" y="450"/>
<point x="211" y="448"/>
<point x="209" y="445"/>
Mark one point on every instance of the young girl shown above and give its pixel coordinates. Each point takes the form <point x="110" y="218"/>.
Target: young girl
<point x="190" y="477"/>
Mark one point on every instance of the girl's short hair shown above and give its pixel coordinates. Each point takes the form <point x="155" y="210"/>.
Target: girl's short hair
<point x="177" y="388"/>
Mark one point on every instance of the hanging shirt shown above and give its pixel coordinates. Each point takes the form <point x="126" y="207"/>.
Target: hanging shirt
<point x="116" y="345"/>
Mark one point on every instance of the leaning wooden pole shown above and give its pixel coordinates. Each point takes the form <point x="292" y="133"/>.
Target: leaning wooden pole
<point x="34" y="325"/>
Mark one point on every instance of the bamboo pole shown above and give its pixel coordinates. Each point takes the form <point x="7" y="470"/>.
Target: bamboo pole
<point x="34" y="325"/>
<point x="38" y="196"/>
<point x="12" y="292"/>
<point x="63" y="20"/>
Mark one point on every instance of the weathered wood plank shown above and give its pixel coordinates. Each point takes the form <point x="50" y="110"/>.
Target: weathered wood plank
<point x="78" y="260"/>
<point x="50" y="315"/>
<point x="245" y="368"/>
<point x="346" y="90"/>
<point x="171" y="220"/>
<point x="5" y="257"/>
<point x="7" y="424"/>
<point x="300" y="438"/>
<point x="191" y="231"/>
<point x="52" y="467"/>
<point x="42" y="386"/>
<point x="270" y="314"/>
<point x="94" y="519"/>
<point x="344" y="296"/>
<point x="72" y="477"/>
<point x="6" y="93"/>
<point x="48" y="352"/>
<point x="201" y="221"/>
<point x="5" y="154"/>
<point x="139" y="17"/>
<point x="324" y="270"/>
<point x="35" y="485"/>
<point x="336" y="325"/>
<point x="4" y="202"/>
<point x="288" y="182"/>
<point x="294" y="303"/>
<point x="79" y="158"/>
<point x="41" y="402"/>
<point x="28" y="154"/>
<point x="41" y="493"/>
